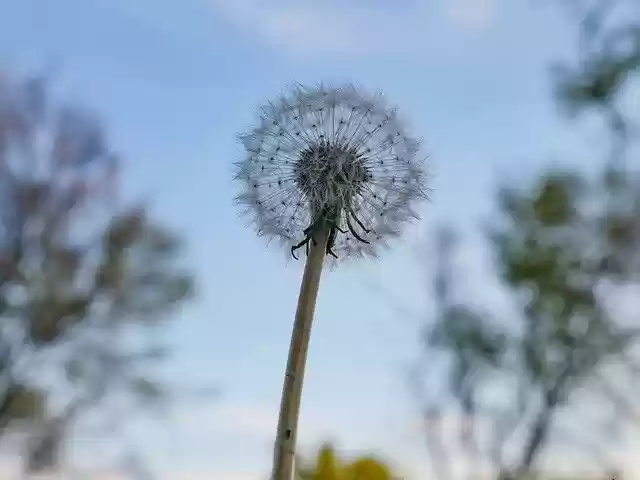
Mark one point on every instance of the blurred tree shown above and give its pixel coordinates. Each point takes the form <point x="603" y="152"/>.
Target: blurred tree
<point x="515" y="388"/>
<point x="560" y="246"/>
<point x="82" y="280"/>
<point x="608" y="61"/>
<point x="328" y="466"/>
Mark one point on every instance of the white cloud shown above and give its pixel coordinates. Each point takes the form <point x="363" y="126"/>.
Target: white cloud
<point x="472" y="14"/>
<point x="333" y="27"/>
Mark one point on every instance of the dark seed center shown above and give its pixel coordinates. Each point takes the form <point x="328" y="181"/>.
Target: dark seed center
<point x="330" y="171"/>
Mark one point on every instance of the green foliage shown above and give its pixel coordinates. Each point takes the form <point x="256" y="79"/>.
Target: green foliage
<point x="328" y="466"/>
<point x="559" y="264"/>
<point x="147" y="389"/>
<point x="368" y="469"/>
<point x="21" y="403"/>
<point x="461" y="328"/>
<point x="609" y="58"/>
<point x="556" y="242"/>
<point x="601" y="78"/>
<point x="609" y="54"/>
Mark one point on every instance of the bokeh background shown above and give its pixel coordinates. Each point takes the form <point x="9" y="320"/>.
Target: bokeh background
<point x="145" y="328"/>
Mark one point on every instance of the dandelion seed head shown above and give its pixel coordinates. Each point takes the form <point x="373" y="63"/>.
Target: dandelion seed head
<point x="338" y="154"/>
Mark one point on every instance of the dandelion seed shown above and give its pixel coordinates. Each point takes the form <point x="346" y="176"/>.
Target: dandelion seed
<point x="330" y="170"/>
<point x="335" y="158"/>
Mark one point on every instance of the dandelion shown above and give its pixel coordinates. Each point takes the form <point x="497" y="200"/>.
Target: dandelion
<point x="331" y="171"/>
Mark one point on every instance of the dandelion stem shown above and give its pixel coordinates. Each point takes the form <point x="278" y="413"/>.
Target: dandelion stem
<point x="283" y="467"/>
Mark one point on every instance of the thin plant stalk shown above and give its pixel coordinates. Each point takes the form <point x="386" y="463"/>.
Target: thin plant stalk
<point x="332" y="170"/>
<point x="285" y="446"/>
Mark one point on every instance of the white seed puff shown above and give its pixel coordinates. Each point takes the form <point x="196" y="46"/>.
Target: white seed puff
<point x="338" y="154"/>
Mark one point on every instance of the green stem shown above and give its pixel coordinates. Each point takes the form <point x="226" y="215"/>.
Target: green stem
<point x="283" y="466"/>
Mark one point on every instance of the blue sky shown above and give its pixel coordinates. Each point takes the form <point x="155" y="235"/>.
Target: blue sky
<point x="176" y="81"/>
